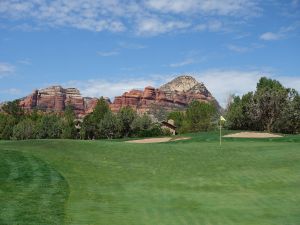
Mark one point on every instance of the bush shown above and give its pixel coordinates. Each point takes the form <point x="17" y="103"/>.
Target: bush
<point x="24" y="130"/>
<point x="7" y="123"/>
<point x="49" y="126"/>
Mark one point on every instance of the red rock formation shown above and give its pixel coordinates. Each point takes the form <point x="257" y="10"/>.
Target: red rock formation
<point x="56" y="98"/>
<point x="176" y="94"/>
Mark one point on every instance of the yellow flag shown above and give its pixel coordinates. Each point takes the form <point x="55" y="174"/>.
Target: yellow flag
<point x="222" y="118"/>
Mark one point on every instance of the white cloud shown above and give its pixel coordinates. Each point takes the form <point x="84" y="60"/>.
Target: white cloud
<point x="109" y="53"/>
<point x="295" y="3"/>
<point x="243" y="49"/>
<point x="220" y="82"/>
<point x="270" y="36"/>
<point x="134" y="46"/>
<point x="213" y="26"/>
<point x="97" y="88"/>
<point x="26" y="62"/>
<point x="11" y="91"/>
<point x="6" y="69"/>
<point x="238" y="49"/>
<point x="185" y="62"/>
<point x="214" y="7"/>
<point x="119" y="15"/>
<point x="154" y="26"/>
<point x="283" y="32"/>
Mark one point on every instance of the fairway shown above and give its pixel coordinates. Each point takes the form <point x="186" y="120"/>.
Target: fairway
<point x="244" y="182"/>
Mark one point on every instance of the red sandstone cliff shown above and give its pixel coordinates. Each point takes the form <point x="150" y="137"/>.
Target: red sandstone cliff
<point x="176" y="94"/>
<point x="56" y="98"/>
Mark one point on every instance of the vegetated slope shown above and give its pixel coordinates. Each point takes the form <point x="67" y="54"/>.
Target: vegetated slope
<point x="188" y="182"/>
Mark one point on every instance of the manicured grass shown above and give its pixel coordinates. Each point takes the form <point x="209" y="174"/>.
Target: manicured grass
<point x="244" y="182"/>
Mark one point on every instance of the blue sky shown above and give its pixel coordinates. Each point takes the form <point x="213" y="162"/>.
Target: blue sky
<point x="105" y="47"/>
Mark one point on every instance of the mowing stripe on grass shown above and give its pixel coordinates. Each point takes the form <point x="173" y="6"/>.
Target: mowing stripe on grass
<point x="31" y="191"/>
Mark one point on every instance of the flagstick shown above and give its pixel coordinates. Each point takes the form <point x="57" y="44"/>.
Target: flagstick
<point x="220" y="133"/>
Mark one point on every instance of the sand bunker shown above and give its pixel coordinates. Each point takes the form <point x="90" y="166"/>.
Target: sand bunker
<point x="158" y="140"/>
<point x="253" y="135"/>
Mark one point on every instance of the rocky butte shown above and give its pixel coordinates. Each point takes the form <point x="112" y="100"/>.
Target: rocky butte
<point x="176" y="94"/>
<point x="56" y="98"/>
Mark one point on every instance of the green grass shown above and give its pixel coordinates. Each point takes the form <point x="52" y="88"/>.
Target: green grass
<point x="244" y="182"/>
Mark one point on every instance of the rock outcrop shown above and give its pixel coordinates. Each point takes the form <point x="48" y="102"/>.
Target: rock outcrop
<point x="176" y="94"/>
<point x="56" y="98"/>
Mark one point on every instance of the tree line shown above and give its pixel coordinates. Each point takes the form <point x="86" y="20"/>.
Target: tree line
<point x="271" y="107"/>
<point x="17" y="124"/>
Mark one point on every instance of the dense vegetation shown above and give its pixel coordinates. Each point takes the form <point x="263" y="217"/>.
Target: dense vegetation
<point x="272" y="107"/>
<point x="15" y="123"/>
<point x="199" y="116"/>
<point x="244" y="182"/>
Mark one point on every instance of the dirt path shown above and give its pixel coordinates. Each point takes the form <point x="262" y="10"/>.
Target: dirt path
<point x="253" y="135"/>
<point x="158" y="140"/>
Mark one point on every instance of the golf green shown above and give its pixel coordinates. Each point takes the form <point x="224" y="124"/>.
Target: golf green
<point x="243" y="182"/>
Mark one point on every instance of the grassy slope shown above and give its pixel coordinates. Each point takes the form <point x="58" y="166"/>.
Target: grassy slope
<point x="245" y="182"/>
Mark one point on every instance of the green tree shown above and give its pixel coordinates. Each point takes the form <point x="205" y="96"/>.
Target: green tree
<point x="269" y="99"/>
<point x="272" y="107"/>
<point x="7" y="123"/>
<point x="25" y="129"/>
<point x="239" y="113"/>
<point x="88" y="128"/>
<point x="126" y="116"/>
<point x="91" y="124"/>
<point x="289" y="121"/>
<point x="179" y="120"/>
<point x="141" y="124"/>
<point x="68" y="124"/>
<point x="14" y="109"/>
<point x="110" y="126"/>
<point x="48" y="126"/>
<point x="199" y="116"/>
<point x="100" y="110"/>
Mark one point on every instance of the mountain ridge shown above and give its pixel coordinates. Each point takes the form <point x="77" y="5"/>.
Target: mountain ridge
<point x="176" y="94"/>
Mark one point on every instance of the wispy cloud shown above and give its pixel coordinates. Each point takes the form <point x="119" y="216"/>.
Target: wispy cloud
<point x="6" y="69"/>
<point x="295" y="3"/>
<point x="109" y="53"/>
<point x="26" y="62"/>
<point x="239" y="49"/>
<point x="11" y="91"/>
<point x="154" y="26"/>
<point x="270" y="36"/>
<point x="97" y="88"/>
<point x="243" y="49"/>
<point x="213" y="26"/>
<point x="282" y="33"/>
<point x="213" y="7"/>
<point x="151" y="17"/>
<point x="222" y="82"/>
<point x="130" y="45"/>
<point x="185" y="62"/>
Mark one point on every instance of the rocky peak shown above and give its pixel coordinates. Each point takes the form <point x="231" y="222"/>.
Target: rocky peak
<point x="182" y="83"/>
<point x="186" y="85"/>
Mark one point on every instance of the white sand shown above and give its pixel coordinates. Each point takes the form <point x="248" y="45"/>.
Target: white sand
<point x="158" y="140"/>
<point x="253" y="135"/>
